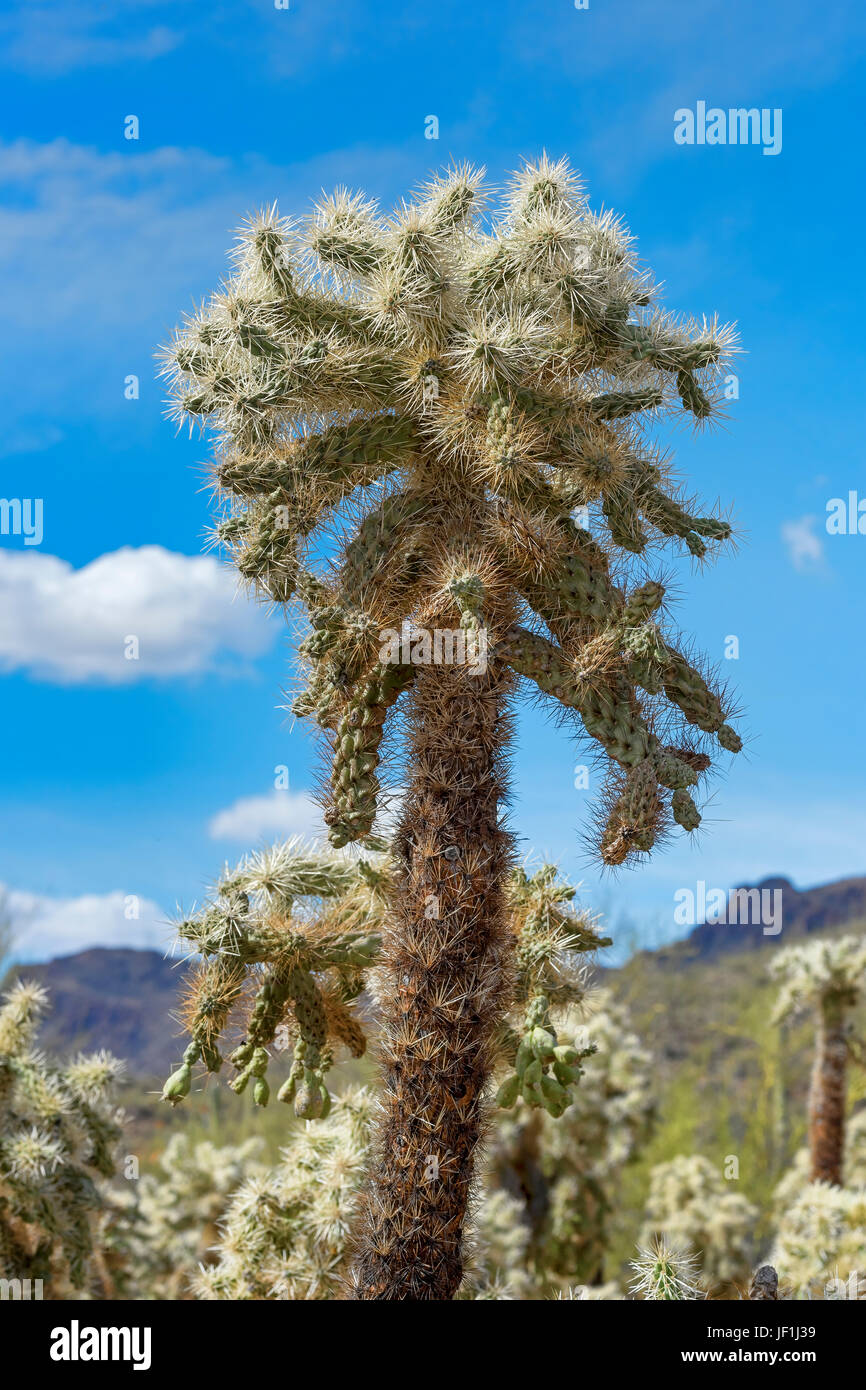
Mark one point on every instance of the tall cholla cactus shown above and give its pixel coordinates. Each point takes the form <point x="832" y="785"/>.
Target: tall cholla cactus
<point x="431" y="397"/>
<point x="58" y="1131"/>
<point x="690" y="1204"/>
<point x="828" y="977"/>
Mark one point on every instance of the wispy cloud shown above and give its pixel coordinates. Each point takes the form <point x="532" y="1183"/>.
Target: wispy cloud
<point x="102" y="250"/>
<point x="131" y="615"/>
<point x="42" y="39"/>
<point x="805" y="548"/>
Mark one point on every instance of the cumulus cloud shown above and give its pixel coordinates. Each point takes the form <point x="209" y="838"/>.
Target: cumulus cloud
<point x="277" y="815"/>
<point x="805" y="549"/>
<point x="42" y="928"/>
<point x="130" y="615"/>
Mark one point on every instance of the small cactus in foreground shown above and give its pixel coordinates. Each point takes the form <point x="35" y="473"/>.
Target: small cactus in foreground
<point x="58" y="1132"/>
<point x="663" y="1273"/>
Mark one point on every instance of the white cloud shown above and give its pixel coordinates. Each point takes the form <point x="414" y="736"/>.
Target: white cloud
<point x="72" y="626"/>
<point x="280" y="814"/>
<point x="805" y="549"/>
<point x="43" y="928"/>
<point x="274" y="816"/>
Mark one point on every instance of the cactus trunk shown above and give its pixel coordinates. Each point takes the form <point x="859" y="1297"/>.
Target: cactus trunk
<point x="827" y="1095"/>
<point x="441" y="986"/>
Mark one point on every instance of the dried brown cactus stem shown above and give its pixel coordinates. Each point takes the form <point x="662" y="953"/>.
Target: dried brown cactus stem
<point x="827" y="1093"/>
<point x="442" y="983"/>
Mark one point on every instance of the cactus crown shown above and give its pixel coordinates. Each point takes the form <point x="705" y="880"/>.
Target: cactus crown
<point x="819" y="972"/>
<point x="457" y="405"/>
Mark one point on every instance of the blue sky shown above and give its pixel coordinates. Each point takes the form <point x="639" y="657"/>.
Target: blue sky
<point x="140" y="777"/>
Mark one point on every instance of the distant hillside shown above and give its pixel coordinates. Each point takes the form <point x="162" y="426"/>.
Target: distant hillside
<point x="117" y="999"/>
<point x="803" y="912"/>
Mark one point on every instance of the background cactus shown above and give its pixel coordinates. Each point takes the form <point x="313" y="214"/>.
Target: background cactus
<point x="286" y="1234"/>
<point x="827" y="977"/>
<point x="162" y="1228"/>
<point x="690" y="1205"/>
<point x="564" y="1173"/>
<point x="440" y="392"/>
<point x="820" y="1246"/>
<point x="58" y="1131"/>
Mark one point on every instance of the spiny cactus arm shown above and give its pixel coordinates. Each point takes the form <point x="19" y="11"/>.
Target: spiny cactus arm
<point x="326" y="464"/>
<point x="269" y="257"/>
<point x="545" y="1070"/>
<point x="347" y="235"/>
<point x="608" y="710"/>
<point x="247" y="925"/>
<point x="389" y="530"/>
<point x="291" y="870"/>
<point x="549" y="938"/>
<point x="351" y="809"/>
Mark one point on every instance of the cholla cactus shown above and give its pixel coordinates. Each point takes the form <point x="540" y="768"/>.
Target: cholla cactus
<point x="459" y="387"/>
<point x="299" y="926"/>
<point x="827" y="977"/>
<point x="665" y="1273"/>
<point x="58" y="1130"/>
<point x="287" y="1235"/>
<point x="689" y="1204"/>
<point x="167" y="1225"/>
<point x="549" y="940"/>
<point x="566" y="1171"/>
<point x="821" y="1241"/>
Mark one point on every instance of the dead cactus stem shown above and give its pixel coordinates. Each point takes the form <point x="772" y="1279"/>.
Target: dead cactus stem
<point x="443" y="981"/>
